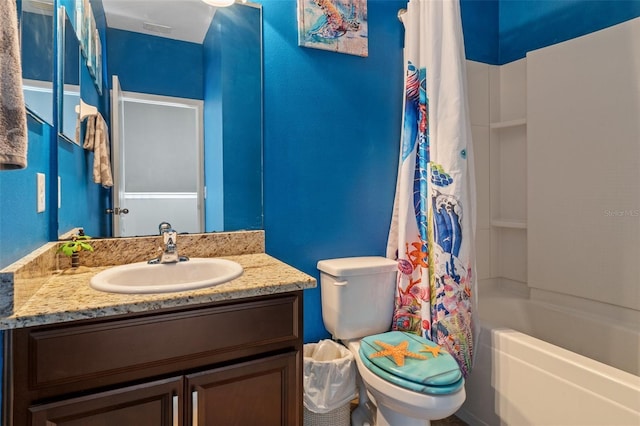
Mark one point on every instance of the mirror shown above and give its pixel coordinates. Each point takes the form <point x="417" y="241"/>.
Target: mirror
<point x="71" y="79"/>
<point x="223" y="70"/>
<point x="36" y="32"/>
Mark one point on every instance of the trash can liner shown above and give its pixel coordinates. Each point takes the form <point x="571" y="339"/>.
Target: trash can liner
<point x="329" y="376"/>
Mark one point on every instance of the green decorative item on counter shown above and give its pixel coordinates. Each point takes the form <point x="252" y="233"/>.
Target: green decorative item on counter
<point x="74" y="247"/>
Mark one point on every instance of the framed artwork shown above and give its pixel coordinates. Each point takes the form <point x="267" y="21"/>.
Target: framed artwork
<point x="85" y="39"/>
<point x="88" y="36"/>
<point x="98" y="63"/>
<point x="91" y="58"/>
<point x="79" y="17"/>
<point x="335" y="25"/>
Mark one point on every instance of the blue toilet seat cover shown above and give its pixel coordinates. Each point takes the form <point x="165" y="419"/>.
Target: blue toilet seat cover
<point x="412" y="362"/>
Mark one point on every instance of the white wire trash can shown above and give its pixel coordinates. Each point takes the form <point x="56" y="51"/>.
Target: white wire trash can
<point x="329" y="384"/>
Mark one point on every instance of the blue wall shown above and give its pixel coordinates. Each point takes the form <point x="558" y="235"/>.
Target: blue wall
<point x="82" y="201"/>
<point x="37" y="40"/>
<point x="72" y="55"/>
<point x="241" y="112"/>
<point x="213" y="119"/>
<point x="22" y="229"/>
<point x="530" y="25"/>
<point x="155" y="65"/>
<point x="331" y="144"/>
<point x="480" y="30"/>
<point x="213" y="153"/>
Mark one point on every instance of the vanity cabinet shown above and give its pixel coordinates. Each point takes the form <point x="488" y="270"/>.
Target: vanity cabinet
<point x="225" y="363"/>
<point x="148" y="404"/>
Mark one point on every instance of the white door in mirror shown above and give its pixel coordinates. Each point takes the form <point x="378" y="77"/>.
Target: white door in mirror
<point x="166" y="277"/>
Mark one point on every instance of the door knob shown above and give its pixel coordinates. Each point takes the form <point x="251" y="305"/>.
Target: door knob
<point x="116" y="210"/>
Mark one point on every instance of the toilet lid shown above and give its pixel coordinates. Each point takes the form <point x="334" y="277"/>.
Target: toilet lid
<point x="412" y="362"/>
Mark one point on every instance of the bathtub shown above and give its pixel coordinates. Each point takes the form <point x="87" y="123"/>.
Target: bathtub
<point x="538" y="363"/>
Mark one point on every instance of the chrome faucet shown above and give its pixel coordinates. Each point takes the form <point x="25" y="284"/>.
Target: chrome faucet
<point x="164" y="227"/>
<point x="170" y="252"/>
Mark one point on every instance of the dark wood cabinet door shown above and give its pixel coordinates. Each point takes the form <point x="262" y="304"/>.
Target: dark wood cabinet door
<point x="156" y="403"/>
<point x="260" y="392"/>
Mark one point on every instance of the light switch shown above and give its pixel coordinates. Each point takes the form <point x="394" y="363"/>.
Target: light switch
<point x="41" y="192"/>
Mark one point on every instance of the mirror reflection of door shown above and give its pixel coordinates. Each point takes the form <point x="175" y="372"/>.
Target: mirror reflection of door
<point x="157" y="147"/>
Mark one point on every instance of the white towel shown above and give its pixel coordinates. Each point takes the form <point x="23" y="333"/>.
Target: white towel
<point x="13" y="118"/>
<point x="96" y="139"/>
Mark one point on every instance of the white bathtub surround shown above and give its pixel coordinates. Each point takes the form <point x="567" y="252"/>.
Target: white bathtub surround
<point x="519" y="379"/>
<point x="562" y="387"/>
<point x="557" y="153"/>
<point x="584" y="203"/>
<point x="603" y="333"/>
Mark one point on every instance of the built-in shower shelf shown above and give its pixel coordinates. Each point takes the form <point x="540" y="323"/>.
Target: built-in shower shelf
<point x="507" y="124"/>
<point x="509" y="223"/>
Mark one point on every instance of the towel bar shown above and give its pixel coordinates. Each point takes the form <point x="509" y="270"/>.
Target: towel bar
<point x="84" y="110"/>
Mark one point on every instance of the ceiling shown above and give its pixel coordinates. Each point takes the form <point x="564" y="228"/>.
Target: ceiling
<point x="186" y="20"/>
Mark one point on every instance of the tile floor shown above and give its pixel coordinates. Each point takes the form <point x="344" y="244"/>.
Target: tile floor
<point x="449" y="421"/>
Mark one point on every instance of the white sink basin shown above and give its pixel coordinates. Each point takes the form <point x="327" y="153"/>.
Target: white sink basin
<point x="166" y="277"/>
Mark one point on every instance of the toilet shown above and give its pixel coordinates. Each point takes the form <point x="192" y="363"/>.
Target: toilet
<point x="404" y="379"/>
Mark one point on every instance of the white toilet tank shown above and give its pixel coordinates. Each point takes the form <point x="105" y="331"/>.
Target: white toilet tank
<point x="357" y="295"/>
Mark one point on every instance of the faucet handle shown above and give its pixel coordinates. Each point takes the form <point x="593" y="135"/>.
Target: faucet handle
<point x="164" y="227"/>
<point x="169" y="237"/>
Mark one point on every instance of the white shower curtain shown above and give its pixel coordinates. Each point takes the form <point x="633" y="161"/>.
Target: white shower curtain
<point x="433" y="224"/>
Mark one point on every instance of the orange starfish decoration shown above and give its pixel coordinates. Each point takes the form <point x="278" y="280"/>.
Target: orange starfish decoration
<point x="417" y="256"/>
<point x="398" y="353"/>
<point x="433" y="350"/>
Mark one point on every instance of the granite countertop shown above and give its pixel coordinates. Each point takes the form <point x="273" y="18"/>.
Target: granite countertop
<point x="67" y="296"/>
